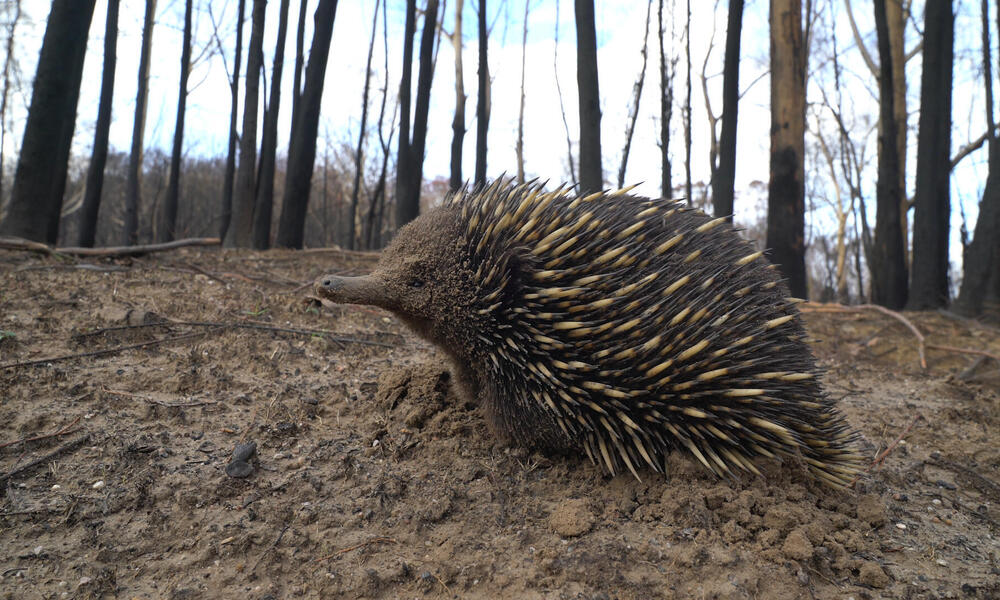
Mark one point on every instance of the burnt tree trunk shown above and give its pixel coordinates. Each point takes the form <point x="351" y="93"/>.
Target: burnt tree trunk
<point x="8" y="64"/>
<point x="373" y="229"/>
<point x="724" y="180"/>
<point x="404" y="175"/>
<point x="591" y="173"/>
<point x="302" y="145"/>
<point x="358" y="156"/>
<point x="264" y="204"/>
<point x="979" y="265"/>
<point x="300" y="42"/>
<point x="408" y="196"/>
<point x="130" y="233"/>
<point x="888" y="257"/>
<point x="234" y="99"/>
<point x="168" y="219"/>
<point x="457" y="123"/>
<point x="636" y="98"/>
<point x="666" y="110"/>
<point x="240" y="234"/>
<point x="932" y="203"/>
<point x="483" y="101"/>
<point x="40" y="179"/>
<point x="99" y="155"/>
<point x="687" y="107"/>
<point x="519" y="146"/>
<point x="786" y="190"/>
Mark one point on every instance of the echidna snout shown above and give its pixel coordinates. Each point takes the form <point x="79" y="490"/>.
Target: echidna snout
<point x="617" y="326"/>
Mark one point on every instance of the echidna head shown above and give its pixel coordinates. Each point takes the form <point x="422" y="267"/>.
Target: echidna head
<point x="419" y="277"/>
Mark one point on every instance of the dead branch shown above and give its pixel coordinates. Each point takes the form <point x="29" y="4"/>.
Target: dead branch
<point x="106" y="351"/>
<point x="13" y="243"/>
<point x="256" y="325"/>
<point x="835" y="308"/>
<point x="71" y="445"/>
<point x="65" y="429"/>
<point x="377" y="540"/>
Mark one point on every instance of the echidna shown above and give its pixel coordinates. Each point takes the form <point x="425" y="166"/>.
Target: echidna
<point x="613" y="324"/>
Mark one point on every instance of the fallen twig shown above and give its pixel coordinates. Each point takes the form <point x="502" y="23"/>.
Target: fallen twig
<point x="271" y="547"/>
<point x="257" y="325"/>
<point x="882" y="455"/>
<point x="106" y="351"/>
<point x="377" y="540"/>
<point x="61" y="431"/>
<point x="45" y="458"/>
<point x="818" y="307"/>
<point x="155" y="401"/>
<point x="13" y="243"/>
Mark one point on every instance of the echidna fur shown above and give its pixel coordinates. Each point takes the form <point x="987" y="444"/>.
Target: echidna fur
<point x="615" y="325"/>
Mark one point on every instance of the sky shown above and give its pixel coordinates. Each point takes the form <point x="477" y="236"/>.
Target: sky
<point x="619" y="34"/>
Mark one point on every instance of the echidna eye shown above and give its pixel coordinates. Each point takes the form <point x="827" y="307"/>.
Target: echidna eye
<point x="416" y="283"/>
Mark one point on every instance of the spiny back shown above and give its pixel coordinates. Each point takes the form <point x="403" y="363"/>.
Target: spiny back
<point x="627" y="326"/>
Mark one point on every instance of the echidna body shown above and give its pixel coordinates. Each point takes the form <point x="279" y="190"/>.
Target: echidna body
<point x="614" y="325"/>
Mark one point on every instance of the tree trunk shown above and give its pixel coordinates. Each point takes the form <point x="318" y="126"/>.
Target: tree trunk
<point x="786" y="191"/>
<point x="519" y="146"/>
<point x="979" y="265"/>
<point x="562" y="108"/>
<point x="300" y="35"/>
<point x="240" y="234"/>
<point x="636" y="97"/>
<point x="458" y="123"/>
<point x="234" y="92"/>
<point x="483" y="102"/>
<point x="264" y="204"/>
<point x="168" y="220"/>
<point x="374" y="219"/>
<point x="932" y="204"/>
<point x="302" y="145"/>
<point x="888" y="255"/>
<point x="99" y="155"/>
<point x="8" y="63"/>
<point x="591" y="173"/>
<point x="724" y="182"/>
<point x="666" y="110"/>
<point x="404" y="175"/>
<point x="687" y="107"/>
<point x="408" y="197"/>
<point x="40" y="179"/>
<point x="896" y="23"/>
<point x="130" y="233"/>
<point x="358" y="157"/>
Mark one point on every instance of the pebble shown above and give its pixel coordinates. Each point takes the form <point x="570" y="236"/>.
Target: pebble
<point x="900" y="525"/>
<point x="56" y="487"/>
<point x="98" y="484"/>
<point x="942" y="562"/>
<point x="84" y="580"/>
<point x="245" y="451"/>
<point x="936" y="502"/>
<point x="239" y="469"/>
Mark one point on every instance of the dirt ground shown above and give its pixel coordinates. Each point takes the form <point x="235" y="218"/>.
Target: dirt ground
<point x="372" y="480"/>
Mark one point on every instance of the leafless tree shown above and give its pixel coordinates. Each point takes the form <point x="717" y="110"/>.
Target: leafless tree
<point x="358" y="156"/>
<point x="667" y="70"/>
<point x="724" y="177"/>
<point x="234" y="99"/>
<point x="99" y="154"/>
<point x="458" y="122"/>
<point x="591" y="172"/>
<point x="8" y="68"/>
<point x="636" y="97"/>
<point x="519" y="147"/>
<point x="130" y="233"/>
<point x="483" y="100"/>
<point x="40" y="179"/>
<point x="786" y="189"/>
<point x="562" y="108"/>
<point x="168" y="219"/>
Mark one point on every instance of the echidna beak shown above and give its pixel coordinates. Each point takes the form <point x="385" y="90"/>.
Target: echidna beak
<point x="349" y="290"/>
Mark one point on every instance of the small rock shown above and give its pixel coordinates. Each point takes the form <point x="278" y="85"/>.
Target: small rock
<point x="84" y="580"/>
<point x="56" y="487"/>
<point x="936" y="502"/>
<point x="900" y="525"/>
<point x="98" y="484"/>
<point x="942" y="562"/>
<point x="873" y="575"/>
<point x="571" y="518"/>
<point x="946" y="484"/>
<point x="244" y="452"/>
<point x="797" y="546"/>
<point x="239" y="469"/>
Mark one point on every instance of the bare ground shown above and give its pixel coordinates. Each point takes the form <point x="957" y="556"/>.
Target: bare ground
<point x="371" y="480"/>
